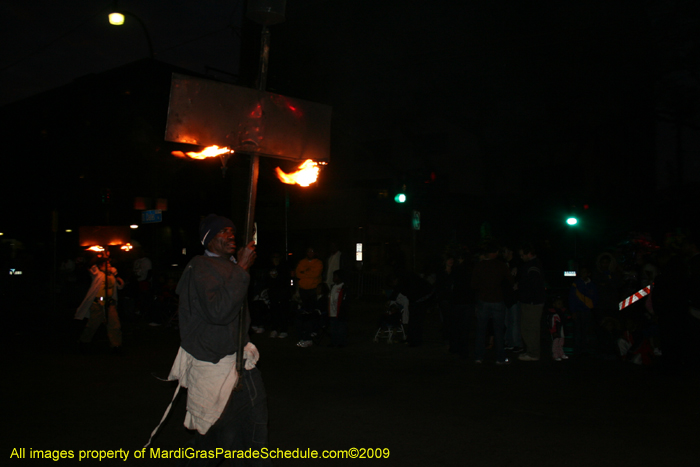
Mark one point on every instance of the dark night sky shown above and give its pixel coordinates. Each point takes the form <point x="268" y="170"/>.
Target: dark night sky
<point x="531" y="106"/>
<point x="47" y="44"/>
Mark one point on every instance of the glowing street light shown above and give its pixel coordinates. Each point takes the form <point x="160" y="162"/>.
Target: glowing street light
<point x="572" y="221"/>
<point x="116" y="19"/>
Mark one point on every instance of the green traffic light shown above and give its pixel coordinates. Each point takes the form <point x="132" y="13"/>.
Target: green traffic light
<point x="400" y="198"/>
<point x="572" y="221"/>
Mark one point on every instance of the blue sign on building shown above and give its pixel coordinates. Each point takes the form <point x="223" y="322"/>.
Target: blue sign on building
<point x="151" y="217"/>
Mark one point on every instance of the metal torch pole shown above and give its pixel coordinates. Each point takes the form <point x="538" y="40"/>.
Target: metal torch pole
<point x="252" y="194"/>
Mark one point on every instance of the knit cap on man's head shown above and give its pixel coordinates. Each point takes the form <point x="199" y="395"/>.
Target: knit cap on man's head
<point x="212" y="225"/>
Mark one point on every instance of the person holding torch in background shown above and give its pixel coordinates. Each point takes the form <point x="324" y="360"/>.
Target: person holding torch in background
<point x="100" y="305"/>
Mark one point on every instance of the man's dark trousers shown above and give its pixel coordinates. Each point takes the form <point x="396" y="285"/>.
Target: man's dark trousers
<point x="242" y="425"/>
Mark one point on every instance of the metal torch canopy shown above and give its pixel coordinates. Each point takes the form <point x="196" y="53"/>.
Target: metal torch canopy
<point x="206" y="112"/>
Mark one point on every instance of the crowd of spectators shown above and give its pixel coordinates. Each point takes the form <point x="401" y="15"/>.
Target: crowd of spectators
<point x="499" y="304"/>
<point x="494" y="304"/>
<point x="513" y="308"/>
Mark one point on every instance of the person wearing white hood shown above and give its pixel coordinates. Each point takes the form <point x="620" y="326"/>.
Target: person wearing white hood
<point x="100" y="305"/>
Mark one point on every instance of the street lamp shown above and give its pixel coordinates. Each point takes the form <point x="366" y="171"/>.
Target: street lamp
<point x="117" y="18"/>
<point x="572" y="221"/>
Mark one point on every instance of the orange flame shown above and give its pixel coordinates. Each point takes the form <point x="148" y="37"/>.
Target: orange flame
<point x="127" y="247"/>
<point x="96" y="248"/>
<point x="210" y="151"/>
<point x="305" y="176"/>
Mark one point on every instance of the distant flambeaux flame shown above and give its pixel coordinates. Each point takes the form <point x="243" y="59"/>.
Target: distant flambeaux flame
<point x="305" y="176"/>
<point x="127" y="247"/>
<point x="96" y="248"/>
<point x="210" y="151"/>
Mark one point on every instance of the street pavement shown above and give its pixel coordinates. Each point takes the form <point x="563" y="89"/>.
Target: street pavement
<point x="423" y="406"/>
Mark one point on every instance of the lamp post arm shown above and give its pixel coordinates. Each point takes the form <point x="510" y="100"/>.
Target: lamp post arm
<point x="151" y="54"/>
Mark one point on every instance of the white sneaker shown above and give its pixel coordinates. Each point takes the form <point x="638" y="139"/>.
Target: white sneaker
<point x="305" y="344"/>
<point x="259" y="330"/>
<point x="273" y="334"/>
<point x="282" y="335"/>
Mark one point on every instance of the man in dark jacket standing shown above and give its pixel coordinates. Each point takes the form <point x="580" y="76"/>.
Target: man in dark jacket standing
<point x="212" y="293"/>
<point x="491" y="277"/>
<point x="531" y="295"/>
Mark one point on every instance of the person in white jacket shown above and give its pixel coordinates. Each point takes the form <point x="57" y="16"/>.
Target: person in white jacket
<point x="100" y="305"/>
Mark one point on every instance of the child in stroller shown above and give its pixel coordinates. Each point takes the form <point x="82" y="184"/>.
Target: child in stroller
<point x="393" y="318"/>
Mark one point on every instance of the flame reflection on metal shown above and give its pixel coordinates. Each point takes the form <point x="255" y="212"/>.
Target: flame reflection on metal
<point x="210" y="151"/>
<point x="206" y="113"/>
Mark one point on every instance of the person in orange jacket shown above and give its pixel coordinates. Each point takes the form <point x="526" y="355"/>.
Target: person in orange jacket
<point x="309" y="274"/>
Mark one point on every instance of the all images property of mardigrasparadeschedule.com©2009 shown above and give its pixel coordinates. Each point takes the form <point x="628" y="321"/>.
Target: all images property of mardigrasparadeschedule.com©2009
<point x="190" y="453"/>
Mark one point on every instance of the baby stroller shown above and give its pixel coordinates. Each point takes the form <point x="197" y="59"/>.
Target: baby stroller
<point x="391" y="324"/>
